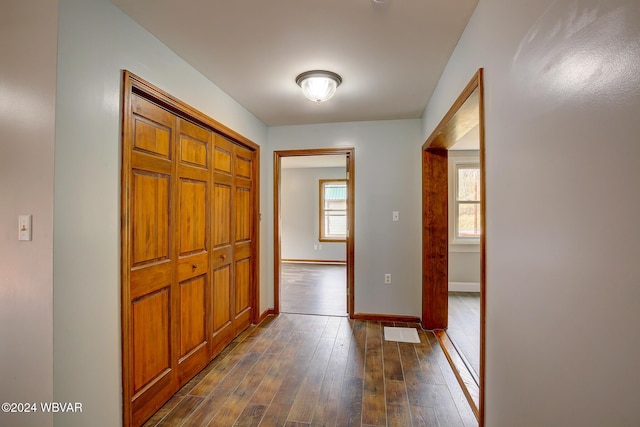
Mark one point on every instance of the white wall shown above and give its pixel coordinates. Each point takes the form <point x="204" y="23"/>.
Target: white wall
<point x="562" y="172"/>
<point x="97" y="41"/>
<point x="299" y="212"/>
<point x="27" y="117"/>
<point x="387" y="178"/>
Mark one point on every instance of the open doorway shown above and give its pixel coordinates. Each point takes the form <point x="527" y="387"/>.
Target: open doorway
<point x="313" y="257"/>
<point x="454" y="212"/>
<point x="464" y="248"/>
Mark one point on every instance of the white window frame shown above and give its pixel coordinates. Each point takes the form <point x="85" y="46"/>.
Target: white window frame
<point x="456" y="243"/>
<point x="321" y="211"/>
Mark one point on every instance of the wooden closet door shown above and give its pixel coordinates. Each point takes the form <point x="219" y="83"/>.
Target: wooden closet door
<point x="243" y="237"/>
<point x="233" y="241"/>
<point x="193" y="246"/>
<point x="152" y="297"/>
<point x="222" y="330"/>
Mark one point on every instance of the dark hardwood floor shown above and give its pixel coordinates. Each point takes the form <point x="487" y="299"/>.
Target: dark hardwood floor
<point x="300" y="370"/>
<point x="313" y="289"/>
<point x="464" y="327"/>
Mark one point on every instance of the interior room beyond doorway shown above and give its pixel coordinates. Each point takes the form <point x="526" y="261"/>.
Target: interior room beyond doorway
<point x="313" y="289"/>
<point x="313" y="235"/>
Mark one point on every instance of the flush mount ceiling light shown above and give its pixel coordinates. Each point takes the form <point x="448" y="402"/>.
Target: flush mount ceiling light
<point x="318" y="85"/>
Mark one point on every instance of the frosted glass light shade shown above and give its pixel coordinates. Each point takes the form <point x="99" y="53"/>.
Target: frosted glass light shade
<point x="318" y="85"/>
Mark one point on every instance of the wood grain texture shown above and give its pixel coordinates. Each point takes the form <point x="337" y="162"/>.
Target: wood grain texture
<point x="307" y="380"/>
<point x="373" y="398"/>
<point x="466" y="112"/>
<point x="168" y="162"/>
<point x="313" y="289"/>
<point x="464" y="328"/>
<point x="462" y="372"/>
<point x="436" y="239"/>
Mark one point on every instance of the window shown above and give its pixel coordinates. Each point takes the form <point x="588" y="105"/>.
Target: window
<point x="466" y="213"/>
<point x="333" y="210"/>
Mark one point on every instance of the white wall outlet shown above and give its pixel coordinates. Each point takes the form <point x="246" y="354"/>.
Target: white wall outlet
<point x="395" y="216"/>
<point x="24" y="228"/>
<point x="387" y="279"/>
<point x="315" y="247"/>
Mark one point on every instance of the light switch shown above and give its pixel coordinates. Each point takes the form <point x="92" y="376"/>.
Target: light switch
<point x="24" y="227"/>
<point x="396" y="216"/>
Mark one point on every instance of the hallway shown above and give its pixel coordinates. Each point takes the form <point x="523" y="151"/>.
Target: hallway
<point x="297" y="370"/>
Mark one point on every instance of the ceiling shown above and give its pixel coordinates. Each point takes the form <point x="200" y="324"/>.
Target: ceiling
<point x="390" y="55"/>
<point x="469" y="141"/>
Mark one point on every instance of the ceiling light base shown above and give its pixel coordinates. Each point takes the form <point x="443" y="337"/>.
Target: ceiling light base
<point x="318" y="85"/>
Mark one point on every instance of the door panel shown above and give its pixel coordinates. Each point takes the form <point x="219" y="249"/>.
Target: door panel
<point x="192" y="314"/>
<point x="151" y="338"/>
<point x="193" y="176"/>
<point x="222" y="298"/>
<point x="243" y="279"/>
<point x="221" y="215"/>
<point x="243" y="213"/>
<point x="152" y="363"/>
<point x="152" y="128"/>
<point x="150" y="209"/>
<point x="243" y="163"/>
<point x="223" y="154"/>
<point x="193" y="212"/>
<point x="222" y="302"/>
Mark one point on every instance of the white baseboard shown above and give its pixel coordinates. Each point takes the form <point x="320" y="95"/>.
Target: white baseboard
<point x="464" y="287"/>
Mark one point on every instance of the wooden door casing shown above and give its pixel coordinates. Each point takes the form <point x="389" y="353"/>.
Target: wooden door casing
<point x="188" y="283"/>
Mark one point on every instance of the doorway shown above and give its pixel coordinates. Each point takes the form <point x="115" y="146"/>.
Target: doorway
<point x="313" y="231"/>
<point x="466" y="114"/>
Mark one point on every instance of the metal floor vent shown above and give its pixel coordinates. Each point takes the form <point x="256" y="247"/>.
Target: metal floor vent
<point x="401" y="334"/>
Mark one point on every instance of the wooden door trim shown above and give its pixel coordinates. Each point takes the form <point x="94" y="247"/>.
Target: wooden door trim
<point x="434" y="296"/>
<point x="351" y="162"/>
<point x="134" y="85"/>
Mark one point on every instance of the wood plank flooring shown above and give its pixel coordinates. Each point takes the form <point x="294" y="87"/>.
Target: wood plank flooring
<point x="313" y="289"/>
<point x="302" y="370"/>
<point x="464" y="327"/>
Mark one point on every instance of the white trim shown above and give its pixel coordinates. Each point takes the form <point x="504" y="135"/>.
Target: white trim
<point x="464" y="287"/>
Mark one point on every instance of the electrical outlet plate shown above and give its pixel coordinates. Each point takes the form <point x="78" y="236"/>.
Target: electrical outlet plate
<point x="387" y="279"/>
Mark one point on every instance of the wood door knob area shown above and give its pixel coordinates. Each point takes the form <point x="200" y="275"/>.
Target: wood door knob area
<point x="223" y="256"/>
<point x="194" y="266"/>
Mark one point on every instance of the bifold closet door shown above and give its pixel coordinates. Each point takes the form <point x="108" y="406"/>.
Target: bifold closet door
<point x="193" y="247"/>
<point x="170" y="285"/>
<point x="233" y="241"/>
<point x="188" y="248"/>
<point x="243" y="236"/>
<point x="153" y="300"/>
